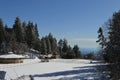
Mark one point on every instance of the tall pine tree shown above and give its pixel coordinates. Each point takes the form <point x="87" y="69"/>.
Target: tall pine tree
<point x="112" y="48"/>
<point x="2" y="37"/>
<point x="101" y="39"/>
<point x="19" y="32"/>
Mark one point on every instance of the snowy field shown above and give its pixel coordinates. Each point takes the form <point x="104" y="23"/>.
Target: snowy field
<point x="56" y="69"/>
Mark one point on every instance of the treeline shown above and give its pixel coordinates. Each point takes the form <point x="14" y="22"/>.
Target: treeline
<point x="49" y="45"/>
<point x="109" y="40"/>
<point x="22" y="36"/>
<point x="18" y="38"/>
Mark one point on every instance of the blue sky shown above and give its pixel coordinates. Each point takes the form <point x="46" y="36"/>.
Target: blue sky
<point x="75" y="20"/>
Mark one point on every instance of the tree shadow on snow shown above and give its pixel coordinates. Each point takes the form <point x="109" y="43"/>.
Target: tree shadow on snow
<point x="80" y="73"/>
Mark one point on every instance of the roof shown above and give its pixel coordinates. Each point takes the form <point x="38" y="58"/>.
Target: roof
<point x="11" y="56"/>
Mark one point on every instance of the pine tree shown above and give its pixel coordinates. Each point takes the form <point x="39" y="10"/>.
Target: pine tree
<point x="60" y="46"/>
<point x="30" y="38"/>
<point x="102" y="42"/>
<point x="48" y="45"/>
<point x="2" y="38"/>
<point x="101" y="39"/>
<point x="24" y="28"/>
<point x="50" y="37"/>
<point x="112" y="48"/>
<point x="70" y="54"/>
<point x="36" y="31"/>
<point x="113" y="44"/>
<point x="2" y="32"/>
<point x="77" y="52"/>
<point x="19" y="32"/>
<point x="43" y="46"/>
<point x="65" y="46"/>
<point x="54" y="45"/>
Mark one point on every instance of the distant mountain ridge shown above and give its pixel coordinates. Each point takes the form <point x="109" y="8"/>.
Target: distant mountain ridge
<point x="88" y="50"/>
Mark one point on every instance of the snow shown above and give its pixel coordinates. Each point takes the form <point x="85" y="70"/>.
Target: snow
<point x="56" y="69"/>
<point x="11" y="56"/>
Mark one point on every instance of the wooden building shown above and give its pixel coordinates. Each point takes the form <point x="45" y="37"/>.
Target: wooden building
<point x="11" y="58"/>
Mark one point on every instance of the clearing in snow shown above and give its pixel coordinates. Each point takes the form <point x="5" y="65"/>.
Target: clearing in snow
<point x="56" y="69"/>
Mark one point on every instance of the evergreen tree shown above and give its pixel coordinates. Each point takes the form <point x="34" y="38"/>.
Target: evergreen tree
<point x="113" y="45"/>
<point x="70" y="54"/>
<point x="37" y="45"/>
<point x="102" y="42"/>
<point x="30" y="38"/>
<point x="65" y="46"/>
<point x="48" y="45"/>
<point x="2" y="32"/>
<point x="50" y="37"/>
<point x="36" y="31"/>
<point x="19" y="32"/>
<point x="54" y="45"/>
<point x="112" y="48"/>
<point x="60" y="46"/>
<point x="77" y="52"/>
<point x="24" y="28"/>
<point x="43" y="46"/>
<point x="8" y="35"/>
<point x="2" y="38"/>
<point x="101" y="38"/>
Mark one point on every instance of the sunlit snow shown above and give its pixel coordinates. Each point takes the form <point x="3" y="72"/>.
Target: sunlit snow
<point x="55" y="69"/>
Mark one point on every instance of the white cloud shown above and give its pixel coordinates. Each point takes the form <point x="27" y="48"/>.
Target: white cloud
<point x="83" y="40"/>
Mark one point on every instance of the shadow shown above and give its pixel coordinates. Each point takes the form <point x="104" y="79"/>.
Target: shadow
<point x="64" y="73"/>
<point x="2" y="75"/>
<point x="84" y="67"/>
<point x="80" y="73"/>
<point x="97" y="62"/>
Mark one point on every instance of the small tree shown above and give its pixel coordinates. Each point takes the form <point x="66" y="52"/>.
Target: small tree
<point x="90" y="55"/>
<point x="77" y="52"/>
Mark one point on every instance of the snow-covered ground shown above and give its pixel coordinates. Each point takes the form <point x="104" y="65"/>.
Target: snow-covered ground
<point x="56" y="69"/>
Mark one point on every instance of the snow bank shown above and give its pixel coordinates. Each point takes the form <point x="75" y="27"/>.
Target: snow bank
<point x="11" y="56"/>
